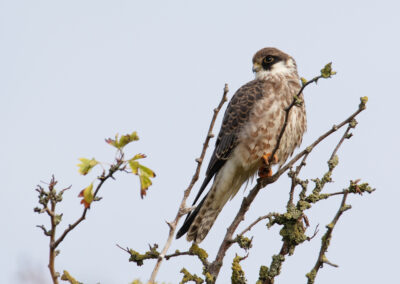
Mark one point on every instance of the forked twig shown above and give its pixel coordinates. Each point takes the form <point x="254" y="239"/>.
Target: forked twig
<point x="182" y="207"/>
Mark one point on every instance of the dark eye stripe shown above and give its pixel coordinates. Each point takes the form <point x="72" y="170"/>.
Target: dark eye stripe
<point x="268" y="59"/>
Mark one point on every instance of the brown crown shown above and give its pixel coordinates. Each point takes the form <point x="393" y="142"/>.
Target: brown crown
<point x="262" y="53"/>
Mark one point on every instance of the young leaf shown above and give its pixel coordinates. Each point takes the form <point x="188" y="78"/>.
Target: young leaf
<point x="87" y="195"/>
<point x="126" y="139"/>
<point x="134" y="166"/>
<point x="134" y="136"/>
<point x="123" y="141"/>
<point x="86" y="165"/>
<point x="145" y="183"/>
<point x="113" y="142"/>
<point x="327" y="71"/>
<point x="138" y="156"/>
<point x="144" y="176"/>
<point x="146" y="171"/>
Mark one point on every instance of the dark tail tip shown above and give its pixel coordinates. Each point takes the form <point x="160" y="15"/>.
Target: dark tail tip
<point x="189" y="220"/>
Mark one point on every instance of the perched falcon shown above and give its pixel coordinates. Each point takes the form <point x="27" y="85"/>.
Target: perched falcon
<point x="249" y="132"/>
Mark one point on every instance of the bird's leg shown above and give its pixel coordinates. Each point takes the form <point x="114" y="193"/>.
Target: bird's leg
<point x="265" y="169"/>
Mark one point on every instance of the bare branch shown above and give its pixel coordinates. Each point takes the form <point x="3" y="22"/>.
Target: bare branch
<point x="262" y="182"/>
<point x="326" y="241"/>
<point x="111" y="171"/>
<point x="287" y="110"/>
<point x="268" y="216"/>
<point x="182" y="207"/>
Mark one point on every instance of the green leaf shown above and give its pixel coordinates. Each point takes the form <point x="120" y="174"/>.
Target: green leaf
<point x="87" y="194"/>
<point x="134" y="165"/>
<point x="86" y="165"/>
<point x="123" y="141"/>
<point x="146" y="171"/>
<point x="327" y="71"/>
<point x="126" y="139"/>
<point x="145" y="183"/>
<point x="144" y="175"/>
<point x="113" y="142"/>
<point x="134" y="136"/>
<point x="138" y="156"/>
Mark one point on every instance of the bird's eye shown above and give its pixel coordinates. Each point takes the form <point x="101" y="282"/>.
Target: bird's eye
<point x="268" y="59"/>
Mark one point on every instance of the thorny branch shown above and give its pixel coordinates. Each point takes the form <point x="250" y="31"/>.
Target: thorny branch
<point x="326" y="240"/>
<point x="296" y="101"/>
<point x="259" y="219"/>
<point x="293" y="220"/>
<point x="289" y="243"/>
<point x="261" y="183"/>
<point x="152" y="253"/>
<point x="102" y="179"/>
<point x="182" y="207"/>
<point x="51" y="198"/>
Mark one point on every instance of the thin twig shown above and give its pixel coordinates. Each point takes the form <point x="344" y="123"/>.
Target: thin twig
<point x="288" y="165"/>
<point x="182" y="207"/>
<point x="294" y="178"/>
<point x="285" y="246"/>
<point x="51" y="213"/>
<point x="102" y="179"/>
<point x="255" y="222"/>
<point x="346" y="133"/>
<point x="326" y="241"/>
<point x="287" y="111"/>
<point x="261" y="183"/>
<point x="227" y="242"/>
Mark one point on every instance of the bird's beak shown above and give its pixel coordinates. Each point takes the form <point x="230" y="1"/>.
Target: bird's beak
<point x="256" y="67"/>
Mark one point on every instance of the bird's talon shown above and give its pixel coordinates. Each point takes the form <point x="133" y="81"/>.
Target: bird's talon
<point x="264" y="172"/>
<point x="266" y="159"/>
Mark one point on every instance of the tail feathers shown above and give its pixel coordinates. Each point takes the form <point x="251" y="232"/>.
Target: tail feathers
<point x="192" y="215"/>
<point x="202" y="224"/>
<point x="199" y="222"/>
<point x="189" y="219"/>
<point x="206" y="213"/>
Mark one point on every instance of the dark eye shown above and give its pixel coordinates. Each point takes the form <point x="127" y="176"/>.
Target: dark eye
<point x="268" y="59"/>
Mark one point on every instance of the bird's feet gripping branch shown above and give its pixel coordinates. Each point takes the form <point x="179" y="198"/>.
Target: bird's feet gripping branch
<point x="265" y="169"/>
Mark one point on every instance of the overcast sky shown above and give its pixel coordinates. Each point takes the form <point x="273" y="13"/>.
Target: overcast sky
<point x="75" y="72"/>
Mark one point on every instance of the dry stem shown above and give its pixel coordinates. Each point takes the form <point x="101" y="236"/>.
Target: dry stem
<point x="55" y="242"/>
<point x="326" y="240"/>
<point x="102" y="179"/>
<point x="261" y="183"/>
<point x="182" y="207"/>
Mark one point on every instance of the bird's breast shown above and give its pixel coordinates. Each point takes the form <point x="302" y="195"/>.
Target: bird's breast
<point x="260" y="134"/>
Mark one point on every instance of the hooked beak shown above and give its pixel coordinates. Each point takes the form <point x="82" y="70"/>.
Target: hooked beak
<point x="256" y="67"/>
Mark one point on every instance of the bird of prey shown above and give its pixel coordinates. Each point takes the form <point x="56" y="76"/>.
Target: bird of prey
<point x="249" y="133"/>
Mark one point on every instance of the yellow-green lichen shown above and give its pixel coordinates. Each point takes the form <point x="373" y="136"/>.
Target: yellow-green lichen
<point x="237" y="271"/>
<point x="189" y="277"/>
<point x="201" y="253"/>
<point x="138" y="258"/>
<point x="311" y="276"/>
<point x="243" y="242"/>
<point x="276" y="265"/>
<point x="67" y="277"/>
<point x="263" y="274"/>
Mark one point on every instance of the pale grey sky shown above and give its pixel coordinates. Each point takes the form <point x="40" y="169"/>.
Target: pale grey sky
<point x="75" y="72"/>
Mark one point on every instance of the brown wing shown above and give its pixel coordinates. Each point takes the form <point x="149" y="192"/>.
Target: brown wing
<point x="236" y="115"/>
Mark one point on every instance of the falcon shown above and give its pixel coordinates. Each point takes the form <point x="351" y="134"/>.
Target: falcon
<point x="250" y="129"/>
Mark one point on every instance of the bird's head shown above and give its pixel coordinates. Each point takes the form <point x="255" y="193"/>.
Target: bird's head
<point x="271" y="61"/>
